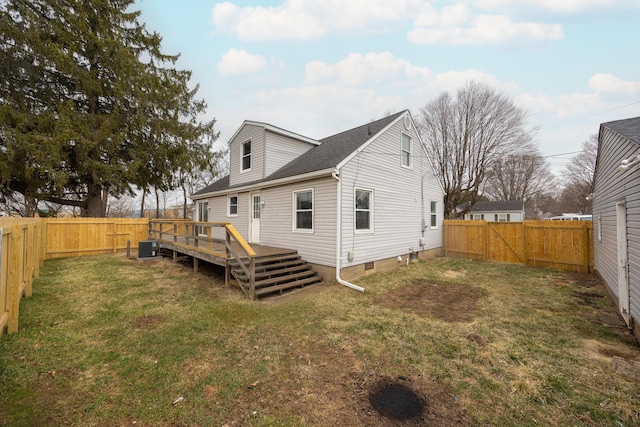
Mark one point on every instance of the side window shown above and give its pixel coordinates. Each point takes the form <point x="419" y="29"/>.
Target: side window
<point x="232" y="206"/>
<point x="363" y="208"/>
<point x="406" y="151"/>
<point x="434" y="214"/>
<point x="245" y="160"/>
<point x="303" y="211"/>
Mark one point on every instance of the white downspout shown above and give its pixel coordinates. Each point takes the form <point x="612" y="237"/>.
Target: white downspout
<point x="336" y="175"/>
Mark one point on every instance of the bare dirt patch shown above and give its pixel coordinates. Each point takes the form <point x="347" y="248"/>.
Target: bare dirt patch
<point x="149" y="321"/>
<point x="449" y="302"/>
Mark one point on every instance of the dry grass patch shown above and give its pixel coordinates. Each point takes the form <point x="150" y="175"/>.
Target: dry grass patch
<point x="474" y="343"/>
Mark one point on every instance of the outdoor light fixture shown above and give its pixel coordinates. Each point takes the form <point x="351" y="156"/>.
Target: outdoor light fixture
<point x="627" y="163"/>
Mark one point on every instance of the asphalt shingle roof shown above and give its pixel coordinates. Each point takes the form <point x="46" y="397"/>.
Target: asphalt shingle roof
<point x="332" y="150"/>
<point x="627" y="127"/>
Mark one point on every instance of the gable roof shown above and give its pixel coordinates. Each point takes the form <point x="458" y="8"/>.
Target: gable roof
<point x="630" y="128"/>
<point x="330" y="153"/>
<point x="499" y="206"/>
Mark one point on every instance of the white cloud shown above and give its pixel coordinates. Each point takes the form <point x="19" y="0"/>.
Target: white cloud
<point x="559" y="6"/>
<point x="357" y="69"/>
<point x="464" y="22"/>
<point x="307" y="19"/>
<point x="606" y="82"/>
<point x="240" y="62"/>
<point x="458" y="25"/>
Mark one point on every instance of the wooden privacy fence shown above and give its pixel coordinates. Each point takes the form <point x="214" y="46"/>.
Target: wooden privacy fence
<point x="21" y="254"/>
<point x="69" y="237"/>
<point x="564" y="245"/>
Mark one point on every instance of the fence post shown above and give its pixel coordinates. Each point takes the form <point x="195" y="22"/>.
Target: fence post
<point x="115" y="236"/>
<point x="13" y="279"/>
<point x="525" y="243"/>
<point x="485" y="236"/>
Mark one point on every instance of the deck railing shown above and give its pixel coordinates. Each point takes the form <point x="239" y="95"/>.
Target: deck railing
<point x="200" y="235"/>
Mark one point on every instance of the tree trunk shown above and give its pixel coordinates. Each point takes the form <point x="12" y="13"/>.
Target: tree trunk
<point x="95" y="205"/>
<point x="144" y="194"/>
<point x="157" y="204"/>
<point x="184" y="201"/>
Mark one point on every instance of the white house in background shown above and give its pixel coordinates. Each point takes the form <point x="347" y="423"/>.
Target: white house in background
<point x="360" y="201"/>
<point x="500" y="211"/>
<point x="616" y="214"/>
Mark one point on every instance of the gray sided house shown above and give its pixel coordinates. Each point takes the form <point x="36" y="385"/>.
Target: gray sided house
<point x="616" y="214"/>
<point x="360" y="201"/>
<point x="499" y="211"/>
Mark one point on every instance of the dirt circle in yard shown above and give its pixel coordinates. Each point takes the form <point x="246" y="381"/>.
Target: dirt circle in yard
<point x="449" y="302"/>
<point x="396" y="401"/>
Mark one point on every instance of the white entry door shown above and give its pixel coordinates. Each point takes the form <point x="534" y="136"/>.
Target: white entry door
<point x="254" y="226"/>
<point x="623" y="261"/>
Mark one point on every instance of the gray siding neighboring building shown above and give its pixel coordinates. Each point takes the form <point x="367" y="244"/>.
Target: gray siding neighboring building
<point x="616" y="202"/>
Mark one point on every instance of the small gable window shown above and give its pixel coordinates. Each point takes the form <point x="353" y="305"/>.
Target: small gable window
<point x="246" y="156"/>
<point x="406" y="150"/>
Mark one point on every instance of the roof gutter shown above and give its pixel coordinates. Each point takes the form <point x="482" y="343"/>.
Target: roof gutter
<point x="336" y="174"/>
<point x="267" y="184"/>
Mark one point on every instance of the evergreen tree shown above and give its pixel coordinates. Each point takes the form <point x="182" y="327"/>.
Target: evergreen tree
<point x="90" y="106"/>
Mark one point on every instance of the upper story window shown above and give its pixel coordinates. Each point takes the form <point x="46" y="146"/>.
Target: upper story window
<point x="303" y="211"/>
<point x="363" y="209"/>
<point x="245" y="160"/>
<point x="406" y="153"/>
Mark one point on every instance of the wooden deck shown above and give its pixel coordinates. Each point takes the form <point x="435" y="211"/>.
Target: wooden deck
<point x="258" y="269"/>
<point x="214" y="251"/>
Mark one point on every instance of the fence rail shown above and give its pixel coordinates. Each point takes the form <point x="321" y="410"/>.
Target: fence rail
<point x="564" y="245"/>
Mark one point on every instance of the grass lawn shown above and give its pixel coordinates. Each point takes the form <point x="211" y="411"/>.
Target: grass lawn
<point x="105" y="341"/>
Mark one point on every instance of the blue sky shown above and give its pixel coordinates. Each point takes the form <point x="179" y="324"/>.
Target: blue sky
<point x="318" y="67"/>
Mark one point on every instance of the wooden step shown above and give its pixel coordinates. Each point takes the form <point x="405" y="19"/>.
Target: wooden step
<point x="289" y="277"/>
<point x="288" y="285"/>
<point x="275" y="272"/>
<point x="270" y="267"/>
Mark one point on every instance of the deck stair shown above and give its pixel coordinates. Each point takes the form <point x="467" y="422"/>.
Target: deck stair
<point x="276" y="273"/>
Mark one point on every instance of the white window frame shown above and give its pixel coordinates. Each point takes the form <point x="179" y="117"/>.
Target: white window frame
<point x="356" y="210"/>
<point x="229" y="197"/>
<point x="294" y="217"/>
<point x="402" y="151"/>
<point x="242" y="156"/>
<point x="433" y="214"/>
<point x="506" y="216"/>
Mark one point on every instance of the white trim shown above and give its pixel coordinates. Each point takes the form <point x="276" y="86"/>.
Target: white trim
<point x="229" y="214"/>
<point x="267" y="184"/>
<point x="371" y="204"/>
<point x="274" y="129"/>
<point x="294" y="224"/>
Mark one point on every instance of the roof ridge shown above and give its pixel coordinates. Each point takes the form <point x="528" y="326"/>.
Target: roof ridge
<point x="390" y="117"/>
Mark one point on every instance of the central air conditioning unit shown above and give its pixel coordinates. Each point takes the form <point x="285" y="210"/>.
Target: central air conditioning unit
<point x="147" y="249"/>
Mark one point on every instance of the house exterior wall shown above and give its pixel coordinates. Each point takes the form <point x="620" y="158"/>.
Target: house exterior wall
<point x="218" y="208"/>
<point x="257" y="135"/>
<point x="610" y="187"/>
<point x="276" y="223"/>
<point x="398" y="206"/>
<point x="280" y="150"/>
<point x="514" y="216"/>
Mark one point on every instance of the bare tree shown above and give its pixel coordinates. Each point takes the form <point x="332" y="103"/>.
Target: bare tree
<point x="523" y="176"/>
<point x="578" y="177"/>
<point x="466" y="136"/>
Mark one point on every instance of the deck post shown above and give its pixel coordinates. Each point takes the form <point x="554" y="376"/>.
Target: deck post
<point x="252" y="279"/>
<point x="195" y="264"/>
<point x="227" y="267"/>
<point x="175" y="232"/>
